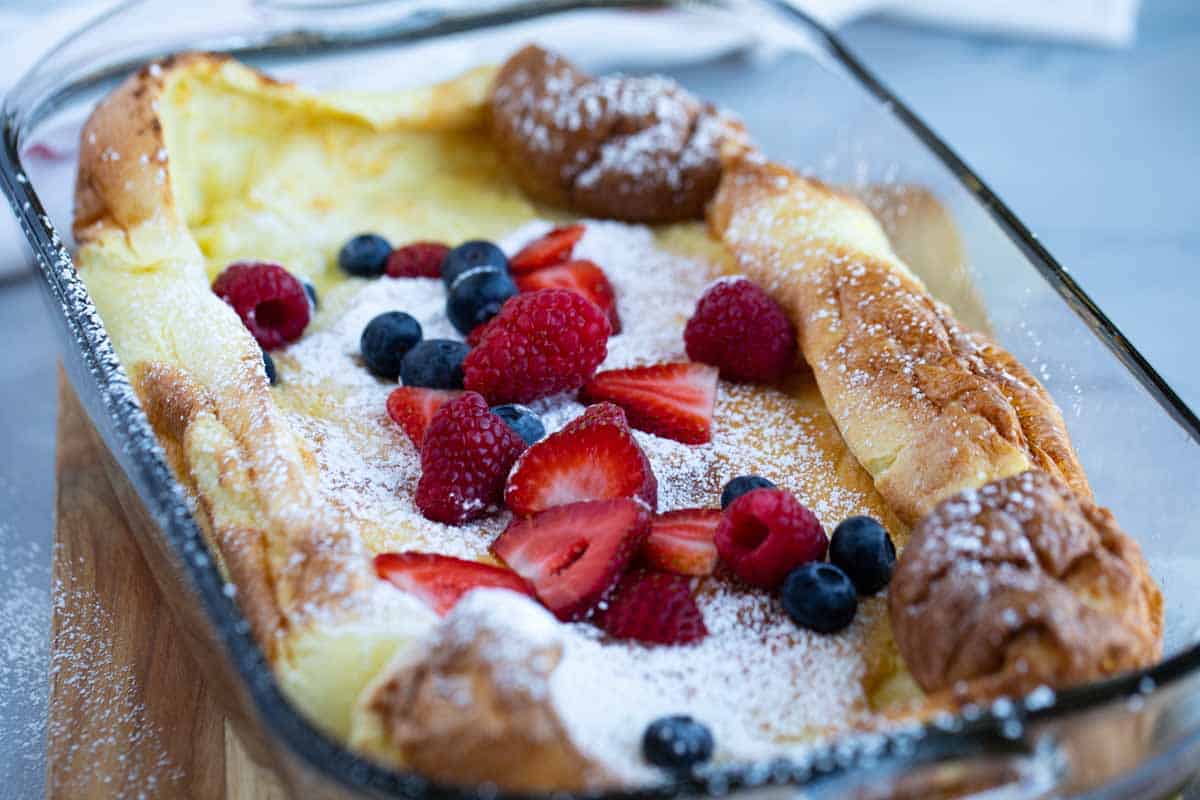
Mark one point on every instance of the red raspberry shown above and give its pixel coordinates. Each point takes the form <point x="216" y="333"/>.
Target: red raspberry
<point x="741" y="330"/>
<point x="465" y="460"/>
<point x="765" y="534"/>
<point x="653" y="608"/>
<point x="417" y="260"/>
<point x="539" y="344"/>
<point x="270" y="300"/>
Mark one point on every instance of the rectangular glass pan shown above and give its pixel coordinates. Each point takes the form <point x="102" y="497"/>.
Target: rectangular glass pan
<point x="808" y="102"/>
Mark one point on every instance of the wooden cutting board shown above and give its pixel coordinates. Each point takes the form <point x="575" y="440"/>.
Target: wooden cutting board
<point x="129" y="713"/>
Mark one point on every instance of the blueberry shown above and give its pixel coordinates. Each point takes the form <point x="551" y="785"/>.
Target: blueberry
<point x="740" y="485"/>
<point x="435" y="364"/>
<point x="385" y="341"/>
<point x="476" y="297"/>
<point x="522" y="420"/>
<point x="365" y="255"/>
<point x="820" y="597"/>
<point x="269" y="366"/>
<point x="864" y="551"/>
<point x="472" y="255"/>
<point x="677" y="743"/>
<point x="311" y="291"/>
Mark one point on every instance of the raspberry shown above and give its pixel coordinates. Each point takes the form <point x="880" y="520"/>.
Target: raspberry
<point x="270" y="300"/>
<point x="741" y="330"/>
<point x="539" y="344"/>
<point x="765" y="534"/>
<point x="653" y="608"/>
<point x="417" y="260"/>
<point x="465" y="458"/>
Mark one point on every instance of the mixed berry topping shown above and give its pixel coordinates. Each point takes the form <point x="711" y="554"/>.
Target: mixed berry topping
<point x="540" y="343"/>
<point x="682" y="541"/>
<point x="466" y="454"/>
<point x="434" y="364"/>
<point x="441" y="581"/>
<point x="574" y="554"/>
<point x="865" y="552"/>
<point x="674" y="401"/>
<point x="413" y="407"/>
<point x="469" y="256"/>
<point x="476" y="297"/>
<point x="594" y="457"/>
<point x="417" y="260"/>
<point x="523" y="420"/>
<point x="820" y="596"/>
<point x="584" y="277"/>
<point x="365" y="256"/>
<point x="386" y="341"/>
<point x="740" y="485"/>
<point x="677" y="743"/>
<point x="741" y="330"/>
<point x="269" y="368"/>
<point x="653" y="608"/>
<point x="765" y="534"/>
<point x="553" y="248"/>
<point x="270" y="300"/>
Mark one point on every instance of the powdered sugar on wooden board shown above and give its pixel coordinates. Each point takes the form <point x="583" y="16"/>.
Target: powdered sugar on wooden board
<point x="762" y="683"/>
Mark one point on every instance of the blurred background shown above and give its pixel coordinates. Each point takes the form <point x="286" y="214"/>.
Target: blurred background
<point x="1082" y="115"/>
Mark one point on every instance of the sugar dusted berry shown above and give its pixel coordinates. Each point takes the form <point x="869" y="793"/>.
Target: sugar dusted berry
<point x="653" y="608"/>
<point x="270" y="301"/>
<point x="584" y="277"/>
<point x="413" y="407"/>
<point x="434" y="364"/>
<point x="523" y="420"/>
<point x="468" y="256"/>
<point x="365" y="256"/>
<point x="417" y="260"/>
<point x="553" y="248"/>
<point x="765" y="534"/>
<point x="865" y="552"/>
<point x="674" y="401"/>
<point x="820" y="597"/>
<point x="465" y="457"/>
<point x="740" y="485"/>
<point x="476" y="297"/>
<point x="441" y="581"/>
<point x="741" y="330"/>
<point x="386" y="340"/>
<point x="677" y="743"/>
<point x="540" y="343"/>
<point x="269" y="368"/>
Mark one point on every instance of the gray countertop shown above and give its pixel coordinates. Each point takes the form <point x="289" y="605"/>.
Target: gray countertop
<point x="1097" y="151"/>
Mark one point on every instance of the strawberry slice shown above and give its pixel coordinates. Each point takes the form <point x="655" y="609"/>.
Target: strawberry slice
<point x="574" y="554"/>
<point x="442" y="580"/>
<point x="412" y="408"/>
<point x="653" y="608"/>
<point x="674" y="401"/>
<point x="682" y="541"/>
<point x="579" y="276"/>
<point x="553" y="248"/>
<point x="594" y="457"/>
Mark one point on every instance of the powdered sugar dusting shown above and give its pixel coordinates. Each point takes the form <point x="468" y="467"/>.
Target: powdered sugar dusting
<point x="763" y="684"/>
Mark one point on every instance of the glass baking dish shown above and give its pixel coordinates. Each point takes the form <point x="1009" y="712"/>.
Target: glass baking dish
<point x="807" y="101"/>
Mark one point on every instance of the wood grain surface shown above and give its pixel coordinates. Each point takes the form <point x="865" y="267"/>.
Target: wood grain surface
<point x="130" y="714"/>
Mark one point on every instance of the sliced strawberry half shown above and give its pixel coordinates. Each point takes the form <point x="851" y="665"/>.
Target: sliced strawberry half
<point x="674" y="401"/>
<point x="412" y="408"/>
<point x="580" y="276"/>
<point x="574" y="554"/>
<point x="653" y="608"/>
<point x="682" y="541"/>
<point x="553" y="248"/>
<point x="594" y="457"/>
<point x="442" y="580"/>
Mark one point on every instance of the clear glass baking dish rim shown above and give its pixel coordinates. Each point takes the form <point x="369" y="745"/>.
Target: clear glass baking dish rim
<point x="979" y="733"/>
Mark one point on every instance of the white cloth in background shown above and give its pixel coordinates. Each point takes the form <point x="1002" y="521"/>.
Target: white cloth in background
<point x="30" y="31"/>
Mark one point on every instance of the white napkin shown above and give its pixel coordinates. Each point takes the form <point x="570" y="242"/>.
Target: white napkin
<point x="29" y="32"/>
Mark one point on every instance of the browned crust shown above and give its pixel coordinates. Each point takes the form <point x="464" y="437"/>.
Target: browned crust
<point x="1019" y="584"/>
<point x="927" y="406"/>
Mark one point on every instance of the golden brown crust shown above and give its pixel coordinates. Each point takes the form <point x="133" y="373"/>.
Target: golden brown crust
<point x="928" y="407"/>
<point x="637" y="149"/>
<point x="1019" y="584"/>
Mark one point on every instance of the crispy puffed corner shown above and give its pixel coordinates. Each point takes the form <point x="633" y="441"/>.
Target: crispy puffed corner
<point x="927" y="406"/>
<point x="1020" y="584"/>
<point x="475" y="706"/>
